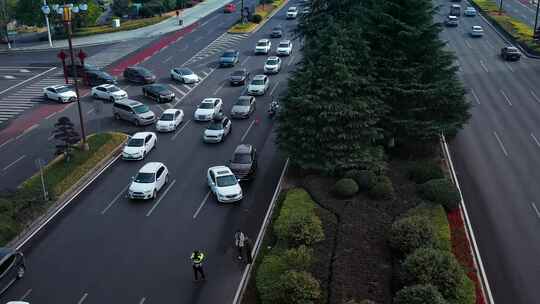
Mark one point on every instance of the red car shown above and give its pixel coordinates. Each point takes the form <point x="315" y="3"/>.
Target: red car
<point x="230" y="8"/>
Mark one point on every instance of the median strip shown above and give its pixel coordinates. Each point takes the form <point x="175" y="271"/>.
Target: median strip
<point x="263" y="12"/>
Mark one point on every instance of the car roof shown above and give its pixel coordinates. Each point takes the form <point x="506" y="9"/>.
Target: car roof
<point x="170" y="111"/>
<point x="477" y="27"/>
<point x="470" y="8"/>
<point x="456" y="5"/>
<point x="259" y="77"/>
<point x="230" y="51"/>
<point x="151" y="167"/>
<point x="141" y="134"/>
<point x="264" y="40"/>
<point x="106" y="85"/>
<point x="221" y="170"/>
<point x="292" y="7"/>
<point x="243" y="149"/>
<point x="272" y="58"/>
<point x="452" y="17"/>
<point x="58" y="86"/>
<point x="210" y="100"/>
<point x="285" y="41"/>
<point x="129" y="102"/>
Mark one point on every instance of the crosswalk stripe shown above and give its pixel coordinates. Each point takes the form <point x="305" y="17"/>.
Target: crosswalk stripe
<point x="15" y="107"/>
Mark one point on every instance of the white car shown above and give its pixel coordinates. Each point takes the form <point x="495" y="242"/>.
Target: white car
<point x="477" y="31"/>
<point x="469" y="11"/>
<point x="263" y="46"/>
<point x="150" y="179"/>
<point x="184" y="75"/>
<point x="61" y="93"/>
<point x="292" y="12"/>
<point x="284" y="48"/>
<point x="272" y="65"/>
<point x="207" y="109"/>
<point x="170" y="119"/>
<point x="217" y="130"/>
<point x="108" y="92"/>
<point x="258" y="85"/>
<point x="224" y="184"/>
<point x="139" y="145"/>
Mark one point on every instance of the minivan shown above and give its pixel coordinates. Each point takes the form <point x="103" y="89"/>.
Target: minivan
<point x="131" y="110"/>
<point x="12" y="267"/>
<point x="139" y="75"/>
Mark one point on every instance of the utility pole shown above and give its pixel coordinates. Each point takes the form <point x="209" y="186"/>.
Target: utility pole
<point x="536" y="21"/>
<point x="500" y="7"/>
<point x="242" y="12"/>
<point x="4" y="20"/>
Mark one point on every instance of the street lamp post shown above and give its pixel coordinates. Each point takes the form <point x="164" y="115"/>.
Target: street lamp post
<point x="66" y="16"/>
<point x="500" y="7"/>
<point x="46" y="11"/>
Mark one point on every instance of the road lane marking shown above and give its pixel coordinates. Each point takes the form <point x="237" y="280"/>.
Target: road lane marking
<point x="142" y="301"/>
<point x="27" y="80"/>
<point x="488" y="43"/>
<point x="484" y="66"/>
<point x="180" y="130"/>
<point x="115" y="199"/>
<point x="274" y="88"/>
<point x="27" y="130"/>
<point x="500" y="143"/>
<point x="83" y="298"/>
<point x="509" y="67"/>
<point x="535" y="210"/>
<point x="14" y="162"/>
<point x="468" y="44"/>
<point x="535" y="96"/>
<point x="198" y="39"/>
<point x="506" y="97"/>
<point x="178" y="90"/>
<point x="245" y="60"/>
<point x="6" y="142"/>
<point x="202" y="204"/>
<point x="247" y="131"/>
<point x="186" y="87"/>
<point x="160" y="198"/>
<point x="90" y="111"/>
<point x="25" y="295"/>
<point x="205" y="74"/>
<point x="219" y="88"/>
<point x="168" y="59"/>
<point x="535" y="140"/>
<point x="161" y="108"/>
<point x="475" y="96"/>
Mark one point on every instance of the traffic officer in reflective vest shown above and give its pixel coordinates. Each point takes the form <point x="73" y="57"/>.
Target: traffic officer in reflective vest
<point x="197" y="258"/>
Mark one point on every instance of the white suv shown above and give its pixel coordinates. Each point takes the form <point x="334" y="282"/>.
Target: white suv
<point x="208" y="109"/>
<point x="139" y="145"/>
<point x="263" y="46"/>
<point x="108" y="92"/>
<point x="224" y="184"/>
<point x="150" y="179"/>
<point x="284" y="48"/>
<point x="292" y="12"/>
<point x="258" y="85"/>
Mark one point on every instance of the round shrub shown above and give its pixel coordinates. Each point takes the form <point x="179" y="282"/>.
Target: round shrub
<point x="365" y="179"/>
<point x="419" y="294"/>
<point x="439" y="268"/>
<point x="422" y="171"/>
<point x="298" y="258"/>
<point x="271" y="267"/>
<point x="440" y="191"/>
<point x="299" y="228"/>
<point x="382" y="189"/>
<point x="8" y="229"/>
<point x="256" y="18"/>
<point x="297" y="287"/>
<point x="410" y="233"/>
<point x="345" y="187"/>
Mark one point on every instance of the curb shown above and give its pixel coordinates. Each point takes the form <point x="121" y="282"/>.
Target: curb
<point x="473" y="246"/>
<point x="255" y="251"/>
<point x="264" y="21"/>
<point x="66" y="198"/>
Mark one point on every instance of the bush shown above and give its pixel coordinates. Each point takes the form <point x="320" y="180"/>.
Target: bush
<point x="423" y="171"/>
<point x="410" y="233"/>
<point x="345" y="187"/>
<point x="8" y="229"/>
<point x="298" y="258"/>
<point x="297" y="287"/>
<point x="440" y="191"/>
<point x="419" y="294"/>
<point x="441" y="269"/>
<point x="382" y="189"/>
<point x="439" y="222"/>
<point x="271" y="267"/>
<point x="365" y="179"/>
<point x="256" y="18"/>
<point x="297" y="222"/>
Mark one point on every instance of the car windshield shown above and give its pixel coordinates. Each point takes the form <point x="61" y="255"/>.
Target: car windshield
<point x="141" y="109"/>
<point x="272" y="61"/>
<point x="226" y="180"/>
<point x="238" y="73"/>
<point x="283" y="45"/>
<point x="144" y="72"/>
<point x="113" y="89"/>
<point x="103" y="74"/>
<point x="160" y="88"/>
<point x="167" y="117"/>
<point x="184" y="71"/>
<point x="215" y="125"/>
<point x="206" y="105"/>
<point x="63" y="89"/>
<point x="292" y="9"/>
<point x="257" y="82"/>
<point x="135" y="142"/>
<point x="261" y="43"/>
<point x="242" y="158"/>
<point x="242" y="102"/>
<point x="277" y="29"/>
<point x="144" y="178"/>
<point x="229" y="54"/>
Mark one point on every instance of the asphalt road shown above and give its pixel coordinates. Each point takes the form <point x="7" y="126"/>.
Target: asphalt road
<point x="107" y="249"/>
<point x="523" y="10"/>
<point x="496" y="158"/>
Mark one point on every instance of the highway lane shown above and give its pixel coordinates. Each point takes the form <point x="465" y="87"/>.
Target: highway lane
<point x="496" y="156"/>
<point x="133" y="250"/>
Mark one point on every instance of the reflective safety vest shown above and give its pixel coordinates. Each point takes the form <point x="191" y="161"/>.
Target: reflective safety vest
<point x="197" y="259"/>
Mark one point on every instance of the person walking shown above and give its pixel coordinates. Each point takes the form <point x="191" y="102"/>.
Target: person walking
<point x="197" y="258"/>
<point x="239" y="242"/>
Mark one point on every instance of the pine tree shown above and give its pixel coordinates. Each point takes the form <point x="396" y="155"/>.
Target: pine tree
<point x="66" y="135"/>
<point x="422" y="94"/>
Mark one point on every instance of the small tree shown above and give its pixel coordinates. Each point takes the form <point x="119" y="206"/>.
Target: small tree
<point x="419" y="294"/>
<point x="66" y="135"/>
<point x="120" y="7"/>
<point x="297" y="287"/>
<point x="410" y="233"/>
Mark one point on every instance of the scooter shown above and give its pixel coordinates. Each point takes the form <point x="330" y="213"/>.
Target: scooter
<point x="273" y="108"/>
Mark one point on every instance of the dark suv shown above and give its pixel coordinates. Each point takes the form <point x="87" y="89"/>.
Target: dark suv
<point x="510" y="53"/>
<point x="158" y="92"/>
<point x="81" y="69"/>
<point x="229" y="58"/>
<point x="11" y="267"/>
<point x="244" y="162"/>
<point x="95" y="78"/>
<point x="139" y="75"/>
<point x="277" y="32"/>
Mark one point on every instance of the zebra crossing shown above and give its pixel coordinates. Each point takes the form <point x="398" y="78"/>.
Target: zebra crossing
<point x="222" y="43"/>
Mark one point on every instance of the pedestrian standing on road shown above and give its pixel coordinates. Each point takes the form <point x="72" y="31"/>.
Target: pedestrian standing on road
<point x="197" y="258"/>
<point x="239" y="242"/>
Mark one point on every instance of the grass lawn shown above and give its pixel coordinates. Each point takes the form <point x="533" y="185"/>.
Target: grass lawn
<point x="124" y="26"/>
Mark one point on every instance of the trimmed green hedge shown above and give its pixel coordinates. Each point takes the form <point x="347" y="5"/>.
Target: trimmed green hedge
<point x="419" y="294"/>
<point x="439" y="223"/>
<point x="411" y="233"/>
<point x="440" y="191"/>
<point x="383" y="189"/>
<point x="365" y="179"/>
<point x="345" y="188"/>
<point x="423" y="171"/>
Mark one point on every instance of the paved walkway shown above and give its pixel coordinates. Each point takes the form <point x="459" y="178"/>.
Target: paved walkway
<point x="189" y="16"/>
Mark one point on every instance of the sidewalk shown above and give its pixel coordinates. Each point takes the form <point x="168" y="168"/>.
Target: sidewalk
<point x="189" y="16"/>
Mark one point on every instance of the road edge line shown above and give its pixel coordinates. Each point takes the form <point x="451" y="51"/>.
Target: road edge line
<point x="247" y="271"/>
<point x="473" y="246"/>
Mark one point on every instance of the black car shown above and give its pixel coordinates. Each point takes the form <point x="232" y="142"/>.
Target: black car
<point x="244" y="162"/>
<point x="277" y="32"/>
<point x="80" y="69"/>
<point x="139" y="75"/>
<point x="239" y="77"/>
<point x="229" y="58"/>
<point x="12" y="267"/>
<point x="158" y="92"/>
<point x="510" y="53"/>
<point x="94" y="78"/>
